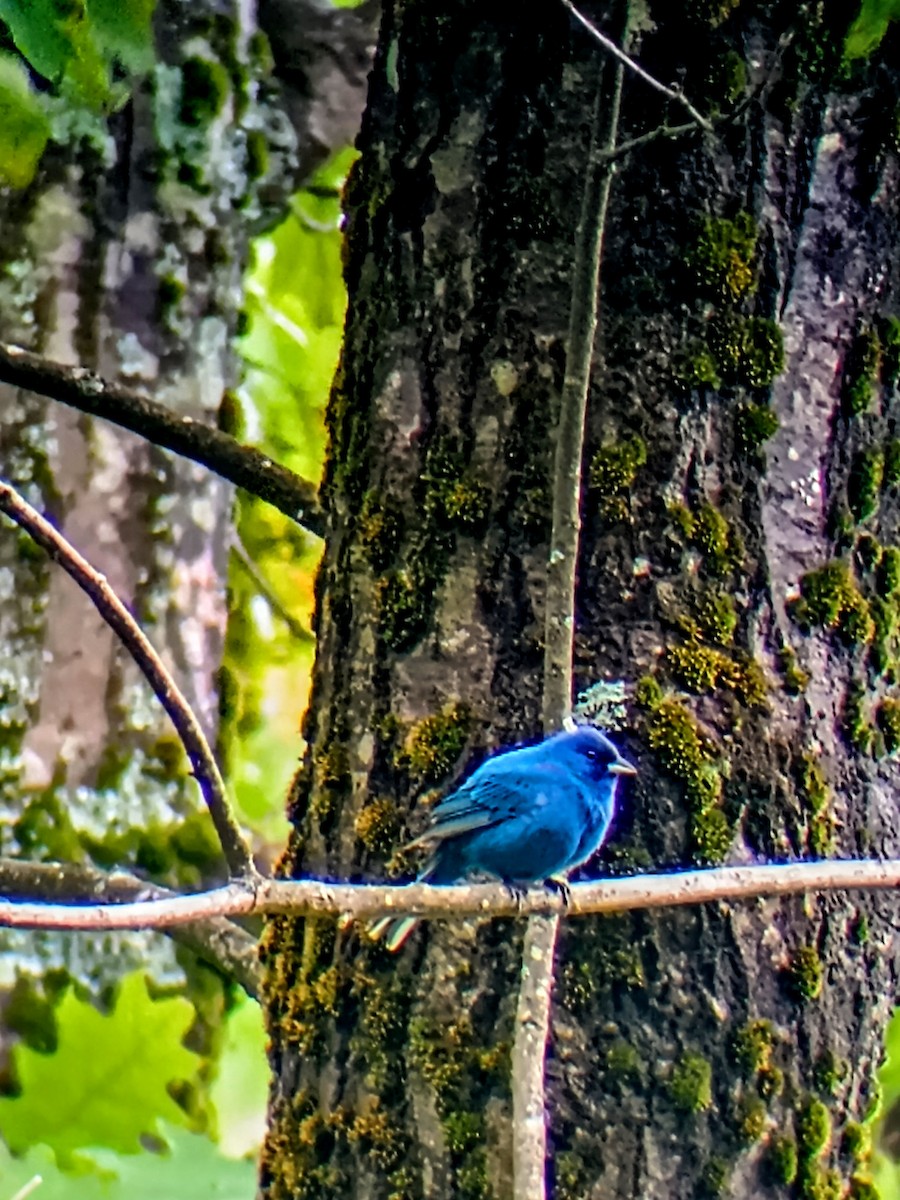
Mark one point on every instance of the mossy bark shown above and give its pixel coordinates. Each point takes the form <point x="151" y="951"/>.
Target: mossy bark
<point x="739" y="269"/>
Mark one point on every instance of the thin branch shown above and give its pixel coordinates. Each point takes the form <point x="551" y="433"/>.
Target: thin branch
<point x="610" y="46"/>
<point x="539" y="946"/>
<point x="218" y="941"/>
<point x="243" y="465"/>
<point x="366" y="902"/>
<point x="113" y="611"/>
<point x="296" y="628"/>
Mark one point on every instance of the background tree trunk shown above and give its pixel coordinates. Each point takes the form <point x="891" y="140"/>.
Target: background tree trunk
<point x="124" y="256"/>
<point x="724" y="1050"/>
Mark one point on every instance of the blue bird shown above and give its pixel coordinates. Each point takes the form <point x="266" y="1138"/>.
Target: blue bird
<point x="526" y="815"/>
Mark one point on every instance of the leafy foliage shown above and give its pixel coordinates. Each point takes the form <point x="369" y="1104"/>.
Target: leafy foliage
<point x="294" y="323"/>
<point x="870" y="27"/>
<point x="24" y="127"/>
<point x="240" y="1091"/>
<point x="191" y="1169"/>
<point x="107" y="1082"/>
<point x="83" y="49"/>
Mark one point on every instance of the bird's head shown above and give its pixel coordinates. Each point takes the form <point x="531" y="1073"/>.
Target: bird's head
<point x="592" y="755"/>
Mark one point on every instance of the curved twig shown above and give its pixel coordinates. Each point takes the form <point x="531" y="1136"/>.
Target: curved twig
<point x="234" y="846"/>
<point x="243" y="465"/>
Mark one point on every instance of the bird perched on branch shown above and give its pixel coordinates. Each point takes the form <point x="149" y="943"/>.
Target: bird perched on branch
<point x="526" y="815"/>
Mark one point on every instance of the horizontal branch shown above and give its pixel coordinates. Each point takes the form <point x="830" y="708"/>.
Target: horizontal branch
<point x="243" y="465"/>
<point x="113" y="611"/>
<point x="364" y="902"/>
<point x="218" y="941"/>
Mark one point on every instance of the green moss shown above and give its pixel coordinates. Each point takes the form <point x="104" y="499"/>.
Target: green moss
<point x="868" y="552"/>
<point x="889" y="572"/>
<point x="467" y="504"/>
<point x="856" y="1142"/>
<point x="715" y="616"/>
<point x="684" y="750"/>
<point x="714" y="1178"/>
<point x="463" y="1131"/>
<point x="170" y="291"/>
<point x="378" y="826"/>
<point x="612" y="474"/>
<point x="205" y="87"/>
<point x="816" y="794"/>
<point x="434" y="745"/>
<point x="782" y="1160"/>
<point x="724" y="258"/>
<point x="403" y="608"/>
<point x="379" y="529"/>
<point x="752" y="1119"/>
<point x="690" y="1085"/>
<point x="815" y="1182"/>
<point x="257" y="149"/>
<point x="763" y="352"/>
<point x="623" y="1061"/>
<point x="711" y="534"/>
<point x="888" y="720"/>
<point x="682" y="518"/>
<point x="711" y="836"/>
<point x="472" y="1178"/>
<point x="830" y="598"/>
<point x="890" y="350"/>
<point x="892" y="462"/>
<point x="865" y="481"/>
<point x="829" y="1073"/>
<point x="796" y="680"/>
<point x="754" y="424"/>
<point x="770" y="1083"/>
<point x="701" y="669"/>
<point x="648" y="693"/>
<point x="861" y="373"/>
<point x="856" y="725"/>
<point x="813" y="1124"/>
<point x="753" y="1044"/>
<point x="698" y="368"/>
<point x="805" y="973"/>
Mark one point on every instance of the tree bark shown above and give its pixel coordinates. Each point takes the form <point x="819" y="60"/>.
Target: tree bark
<point x="727" y="1050"/>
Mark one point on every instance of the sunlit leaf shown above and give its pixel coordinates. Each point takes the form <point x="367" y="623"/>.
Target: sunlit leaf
<point x="870" y="26"/>
<point x="191" y="1169"/>
<point x="240" y="1090"/>
<point x="23" y="125"/>
<point x="107" y="1082"/>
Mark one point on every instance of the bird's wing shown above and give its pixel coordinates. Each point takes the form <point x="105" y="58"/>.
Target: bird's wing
<point x="495" y="793"/>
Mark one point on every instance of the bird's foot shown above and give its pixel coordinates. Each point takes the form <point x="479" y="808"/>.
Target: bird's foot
<point x="517" y="892"/>
<point x="557" y="884"/>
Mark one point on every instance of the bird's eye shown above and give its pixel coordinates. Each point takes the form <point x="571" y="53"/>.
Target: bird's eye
<point x="592" y="754"/>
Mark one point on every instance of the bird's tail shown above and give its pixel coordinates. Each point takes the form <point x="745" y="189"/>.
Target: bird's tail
<point x="395" y="930"/>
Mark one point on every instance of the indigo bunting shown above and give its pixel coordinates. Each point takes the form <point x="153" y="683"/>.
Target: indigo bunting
<point x="525" y="815"/>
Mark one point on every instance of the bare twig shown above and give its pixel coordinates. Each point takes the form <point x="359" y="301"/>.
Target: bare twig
<point x="610" y="46"/>
<point x="235" y="848"/>
<point x="242" y="465"/>
<point x="539" y="946"/>
<point x="296" y="628"/>
<point x="366" y="902"/>
<point x="216" y="941"/>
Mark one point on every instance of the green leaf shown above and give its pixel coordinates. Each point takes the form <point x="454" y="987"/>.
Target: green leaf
<point x="107" y="1082"/>
<point x="870" y="26"/>
<point x="39" y="31"/>
<point x="192" y="1169"/>
<point x="124" y="30"/>
<point x="24" y="128"/>
<point x="240" y="1090"/>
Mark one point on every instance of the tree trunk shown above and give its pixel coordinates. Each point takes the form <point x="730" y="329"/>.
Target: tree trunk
<point x="124" y="256"/>
<point x="725" y="1050"/>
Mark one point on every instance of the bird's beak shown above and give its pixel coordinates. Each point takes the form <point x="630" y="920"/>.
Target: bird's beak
<point x="621" y="767"/>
